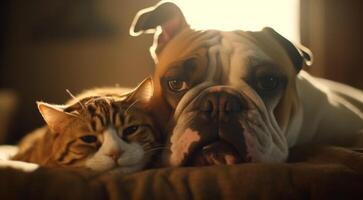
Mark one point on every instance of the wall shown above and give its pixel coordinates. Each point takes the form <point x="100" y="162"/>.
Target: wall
<point x="334" y="32"/>
<point x="50" y="46"/>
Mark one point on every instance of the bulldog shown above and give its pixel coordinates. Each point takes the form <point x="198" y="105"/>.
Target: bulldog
<point x="227" y="97"/>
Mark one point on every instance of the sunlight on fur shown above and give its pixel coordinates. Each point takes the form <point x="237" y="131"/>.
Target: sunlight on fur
<point x="100" y="129"/>
<point x="282" y="15"/>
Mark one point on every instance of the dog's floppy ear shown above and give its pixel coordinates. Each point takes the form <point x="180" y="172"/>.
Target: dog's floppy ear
<point x="299" y="55"/>
<point x="165" y="15"/>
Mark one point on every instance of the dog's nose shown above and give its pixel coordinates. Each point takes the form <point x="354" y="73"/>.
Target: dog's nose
<point x="220" y="104"/>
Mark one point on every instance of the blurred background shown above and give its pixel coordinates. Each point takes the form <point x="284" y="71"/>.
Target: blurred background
<point x="48" y="46"/>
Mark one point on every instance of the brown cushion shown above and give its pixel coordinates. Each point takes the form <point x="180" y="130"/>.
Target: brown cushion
<point x="338" y="176"/>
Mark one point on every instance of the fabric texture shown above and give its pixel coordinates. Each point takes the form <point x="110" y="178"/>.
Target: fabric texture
<point x="325" y="173"/>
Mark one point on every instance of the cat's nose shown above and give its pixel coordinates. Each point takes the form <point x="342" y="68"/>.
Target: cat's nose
<point x="115" y="154"/>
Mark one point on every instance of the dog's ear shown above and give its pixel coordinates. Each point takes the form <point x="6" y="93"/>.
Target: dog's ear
<point x="165" y="15"/>
<point x="299" y="55"/>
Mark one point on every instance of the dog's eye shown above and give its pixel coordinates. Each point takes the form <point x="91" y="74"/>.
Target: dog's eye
<point x="177" y="85"/>
<point x="268" y="82"/>
<point x="89" y="138"/>
<point x="130" y="130"/>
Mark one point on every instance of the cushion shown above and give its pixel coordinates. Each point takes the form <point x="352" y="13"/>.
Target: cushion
<point x="317" y="173"/>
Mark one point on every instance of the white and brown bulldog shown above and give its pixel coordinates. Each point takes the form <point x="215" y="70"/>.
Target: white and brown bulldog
<point x="240" y="96"/>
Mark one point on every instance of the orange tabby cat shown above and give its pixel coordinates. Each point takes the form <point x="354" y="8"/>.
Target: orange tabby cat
<point x="100" y="130"/>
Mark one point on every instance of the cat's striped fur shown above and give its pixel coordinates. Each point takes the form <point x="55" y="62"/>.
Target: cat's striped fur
<point x="102" y="130"/>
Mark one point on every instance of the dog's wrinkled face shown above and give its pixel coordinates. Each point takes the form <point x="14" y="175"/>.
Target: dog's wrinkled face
<point x="231" y="95"/>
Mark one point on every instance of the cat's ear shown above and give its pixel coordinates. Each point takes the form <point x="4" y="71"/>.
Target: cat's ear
<point x="55" y="116"/>
<point x="143" y="92"/>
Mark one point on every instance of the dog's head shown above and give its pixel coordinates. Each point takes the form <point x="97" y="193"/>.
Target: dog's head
<point x="230" y="96"/>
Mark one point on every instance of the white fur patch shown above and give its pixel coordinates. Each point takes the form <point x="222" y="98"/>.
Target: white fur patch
<point x="265" y="142"/>
<point x="130" y="155"/>
<point x="181" y="147"/>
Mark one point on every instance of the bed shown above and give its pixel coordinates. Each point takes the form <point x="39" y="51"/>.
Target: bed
<point x="312" y="173"/>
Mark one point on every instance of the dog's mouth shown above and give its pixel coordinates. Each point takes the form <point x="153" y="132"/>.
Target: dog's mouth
<point x="217" y="153"/>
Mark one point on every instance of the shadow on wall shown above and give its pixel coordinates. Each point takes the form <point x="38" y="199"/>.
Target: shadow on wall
<point x="333" y="30"/>
<point x="54" y="45"/>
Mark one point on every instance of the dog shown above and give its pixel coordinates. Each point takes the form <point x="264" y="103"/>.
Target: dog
<point x="227" y="97"/>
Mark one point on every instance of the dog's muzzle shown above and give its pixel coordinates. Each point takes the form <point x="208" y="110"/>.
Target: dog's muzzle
<point x="221" y="109"/>
<point x="210" y="132"/>
<point x="220" y="106"/>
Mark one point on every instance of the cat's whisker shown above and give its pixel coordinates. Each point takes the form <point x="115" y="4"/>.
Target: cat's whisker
<point x="155" y="149"/>
<point x="153" y="146"/>
<point x="96" y="110"/>
<point x="159" y="148"/>
<point x="132" y="104"/>
<point x="75" y="98"/>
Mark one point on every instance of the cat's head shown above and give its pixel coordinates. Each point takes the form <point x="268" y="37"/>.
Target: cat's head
<point x="103" y="132"/>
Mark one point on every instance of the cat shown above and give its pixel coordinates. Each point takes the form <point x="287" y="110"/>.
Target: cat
<point x="100" y="129"/>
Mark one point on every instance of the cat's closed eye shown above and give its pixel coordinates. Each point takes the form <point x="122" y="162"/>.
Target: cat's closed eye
<point x="130" y="130"/>
<point x="89" y="138"/>
<point x="99" y="131"/>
